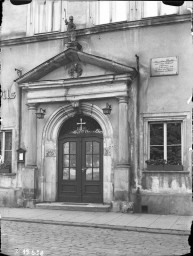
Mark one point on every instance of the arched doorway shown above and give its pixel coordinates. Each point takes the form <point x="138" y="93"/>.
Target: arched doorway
<point x="80" y="160"/>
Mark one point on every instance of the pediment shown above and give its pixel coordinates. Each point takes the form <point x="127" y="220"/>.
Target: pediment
<point x="72" y="64"/>
<point x="68" y="71"/>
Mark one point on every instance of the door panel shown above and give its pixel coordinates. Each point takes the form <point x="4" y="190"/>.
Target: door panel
<point x="80" y="177"/>
<point x="92" y="174"/>
<point x="69" y="175"/>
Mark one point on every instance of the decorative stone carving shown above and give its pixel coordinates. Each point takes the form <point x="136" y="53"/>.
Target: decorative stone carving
<point x="107" y="151"/>
<point x="86" y="131"/>
<point x="71" y="29"/>
<point x="71" y="33"/>
<point x="75" y="70"/>
<point x="50" y="153"/>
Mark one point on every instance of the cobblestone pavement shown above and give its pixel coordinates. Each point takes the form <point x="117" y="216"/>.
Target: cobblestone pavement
<point x="21" y="238"/>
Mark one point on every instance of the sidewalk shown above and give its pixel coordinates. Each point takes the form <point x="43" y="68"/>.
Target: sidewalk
<point x="166" y="224"/>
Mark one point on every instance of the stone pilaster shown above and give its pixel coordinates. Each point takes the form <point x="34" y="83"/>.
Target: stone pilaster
<point x="31" y="153"/>
<point x="30" y="171"/>
<point x="123" y="131"/>
<point x="122" y="170"/>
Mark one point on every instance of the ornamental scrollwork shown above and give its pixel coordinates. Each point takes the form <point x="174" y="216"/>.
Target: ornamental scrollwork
<point x="78" y="131"/>
<point x="51" y="153"/>
<point x="107" y="151"/>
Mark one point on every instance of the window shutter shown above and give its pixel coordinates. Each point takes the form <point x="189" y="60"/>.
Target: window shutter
<point x="56" y="15"/>
<point x="119" y="11"/>
<point x="104" y="12"/>
<point x="150" y="9"/>
<point x="49" y="15"/>
<point x="42" y="16"/>
<point x="8" y="147"/>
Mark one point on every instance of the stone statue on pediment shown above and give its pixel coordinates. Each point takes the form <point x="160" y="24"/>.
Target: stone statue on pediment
<point x="71" y="29"/>
<point x="71" y="33"/>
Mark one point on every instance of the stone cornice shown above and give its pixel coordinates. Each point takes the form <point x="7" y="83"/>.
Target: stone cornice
<point x="152" y="21"/>
<point x="77" y="89"/>
<point x="84" y="81"/>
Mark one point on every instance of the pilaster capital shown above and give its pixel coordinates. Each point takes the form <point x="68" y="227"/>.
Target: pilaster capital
<point x="123" y="99"/>
<point x="32" y="106"/>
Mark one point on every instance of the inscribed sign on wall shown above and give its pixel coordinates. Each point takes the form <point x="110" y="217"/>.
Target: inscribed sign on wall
<point x="164" y="66"/>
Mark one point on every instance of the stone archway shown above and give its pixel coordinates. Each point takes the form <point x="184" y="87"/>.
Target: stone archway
<point x="49" y="178"/>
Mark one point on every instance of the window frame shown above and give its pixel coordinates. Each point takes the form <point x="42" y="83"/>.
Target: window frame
<point x="184" y="118"/>
<point x="3" y="132"/>
<point x="112" y="12"/>
<point x="165" y="145"/>
<point x="47" y="4"/>
<point x="33" y="20"/>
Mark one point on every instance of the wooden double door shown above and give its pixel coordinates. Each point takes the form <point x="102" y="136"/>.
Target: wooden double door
<point x="80" y="169"/>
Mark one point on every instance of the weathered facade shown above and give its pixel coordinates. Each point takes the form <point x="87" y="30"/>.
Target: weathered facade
<point x="76" y="152"/>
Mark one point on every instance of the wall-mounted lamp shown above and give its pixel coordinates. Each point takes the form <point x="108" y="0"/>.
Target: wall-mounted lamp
<point x="107" y="109"/>
<point x="21" y="155"/>
<point x="19" y="71"/>
<point x="41" y="113"/>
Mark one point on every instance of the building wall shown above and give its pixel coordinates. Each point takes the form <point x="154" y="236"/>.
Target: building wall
<point x="164" y="95"/>
<point x="14" y="22"/>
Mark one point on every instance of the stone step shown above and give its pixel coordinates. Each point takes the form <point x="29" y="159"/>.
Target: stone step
<point x="87" y="207"/>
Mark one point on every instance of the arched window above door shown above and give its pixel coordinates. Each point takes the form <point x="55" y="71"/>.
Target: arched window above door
<point x="80" y="124"/>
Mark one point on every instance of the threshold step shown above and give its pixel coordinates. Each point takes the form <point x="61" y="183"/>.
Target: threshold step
<point x="87" y="207"/>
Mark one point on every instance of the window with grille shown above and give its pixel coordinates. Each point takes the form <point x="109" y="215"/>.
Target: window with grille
<point x="165" y="142"/>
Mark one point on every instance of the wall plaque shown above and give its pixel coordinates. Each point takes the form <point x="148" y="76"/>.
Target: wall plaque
<point x="164" y="66"/>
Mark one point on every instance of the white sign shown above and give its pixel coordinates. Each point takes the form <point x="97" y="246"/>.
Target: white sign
<point x="164" y="66"/>
<point x="21" y="156"/>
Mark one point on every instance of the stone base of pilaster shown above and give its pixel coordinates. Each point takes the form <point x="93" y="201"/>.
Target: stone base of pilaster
<point x="121" y="182"/>
<point x="29" y="182"/>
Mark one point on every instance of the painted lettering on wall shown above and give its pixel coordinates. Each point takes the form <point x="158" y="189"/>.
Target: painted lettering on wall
<point x="7" y="94"/>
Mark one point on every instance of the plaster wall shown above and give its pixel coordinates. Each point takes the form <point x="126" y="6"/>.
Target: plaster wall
<point x="10" y="29"/>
